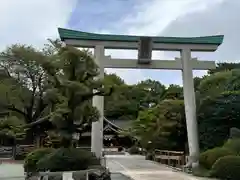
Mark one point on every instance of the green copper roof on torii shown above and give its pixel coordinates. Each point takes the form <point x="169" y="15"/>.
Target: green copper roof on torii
<point x="80" y="35"/>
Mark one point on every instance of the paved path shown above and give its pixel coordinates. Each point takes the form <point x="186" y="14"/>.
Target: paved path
<point x="140" y="169"/>
<point x="11" y="172"/>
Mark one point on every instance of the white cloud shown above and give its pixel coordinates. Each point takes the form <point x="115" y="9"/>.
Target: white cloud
<point x="32" y="21"/>
<point x="152" y="18"/>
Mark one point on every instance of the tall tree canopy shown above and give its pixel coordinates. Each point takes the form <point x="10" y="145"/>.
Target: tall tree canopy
<point x="216" y="116"/>
<point x="162" y="126"/>
<point x="72" y="85"/>
<point x="23" y="87"/>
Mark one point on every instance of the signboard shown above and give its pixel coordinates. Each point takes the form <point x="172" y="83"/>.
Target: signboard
<point x="145" y="50"/>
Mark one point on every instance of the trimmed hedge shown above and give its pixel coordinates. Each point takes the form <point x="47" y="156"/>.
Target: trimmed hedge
<point x="209" y="157"/>
<point x="234" y="145"/>
<point x="31" y="160"/>
<point x="67" y="159"/>
<point x="227" y="167"/>
<point x="134" y="150"/>
<point x="63" y="159"/>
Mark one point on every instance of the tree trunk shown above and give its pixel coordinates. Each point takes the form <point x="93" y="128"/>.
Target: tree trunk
<point x="66" y="142"/>
<point x="29" y="137"/>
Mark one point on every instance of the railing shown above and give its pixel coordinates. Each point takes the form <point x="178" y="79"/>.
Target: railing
<point x="10" y="152"/>
<point x="113" y="150"/>
<point x="171" y="158"/>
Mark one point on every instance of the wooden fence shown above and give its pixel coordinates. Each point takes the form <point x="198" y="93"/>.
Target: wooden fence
<point x="10" y="152"/>
<point x="171" y="158"/>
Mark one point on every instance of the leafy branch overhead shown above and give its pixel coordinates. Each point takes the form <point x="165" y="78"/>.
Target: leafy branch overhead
<point x="12" y="128"/>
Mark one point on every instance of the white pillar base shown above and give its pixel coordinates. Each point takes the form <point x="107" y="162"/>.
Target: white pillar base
<point x="93" y="137"/>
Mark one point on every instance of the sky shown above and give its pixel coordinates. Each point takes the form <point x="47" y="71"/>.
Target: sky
<point x="34" y="21"/>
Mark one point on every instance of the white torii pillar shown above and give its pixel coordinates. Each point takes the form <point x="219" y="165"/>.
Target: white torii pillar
<point x="190" y="107"/>
<point x="98" y="102"/>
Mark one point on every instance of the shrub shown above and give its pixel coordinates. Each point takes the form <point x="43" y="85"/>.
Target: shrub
<point x="227" y="167"/>
<point x="31" y="160"/>
<point x="200" y="171"/>
<point x="150" y="156"/>
<point x="209" y="157"/>
<point x="133" y="150"/>
<point x="233" y="144"/>
<point x="120" y="149"/>
<point x="67" y="159"/>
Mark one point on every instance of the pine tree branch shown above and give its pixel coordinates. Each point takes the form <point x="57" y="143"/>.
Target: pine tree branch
<point x="39" y="121"/>
<point x="14" y="109"/>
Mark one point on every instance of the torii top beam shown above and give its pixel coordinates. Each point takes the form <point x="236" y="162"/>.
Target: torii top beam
<point x="90" y="40"/>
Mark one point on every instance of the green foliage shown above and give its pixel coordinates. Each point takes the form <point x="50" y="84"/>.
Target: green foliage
<point x="30" y="162"/>
<point x="71" y="86"/>
<point x="133" y="150"/>
<point x="216" y="116"/>
<point x="154" y="92"/>
<point x="224" y="67"/>
<point x="24" y="88"/>
<point x="131" y="98"/>
<point x="209" y="157"/>
<point x="67" y="159"/>
<point x="201" y="172"/>
<point x="234" y="145"/>
<point x="227" y="168"/>
<point x="215" y="84"/>
<point x="24" y="85"/>
<point x="174" y="92"/>
<point x="162" y="126"/>
<point x="219" y="82"/>
<point x="12" y="128"/>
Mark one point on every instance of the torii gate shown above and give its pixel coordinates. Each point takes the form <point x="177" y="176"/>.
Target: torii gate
<point x="145" y="45"/>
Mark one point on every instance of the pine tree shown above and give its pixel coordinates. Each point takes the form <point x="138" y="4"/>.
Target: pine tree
<point x="73" y="84"/>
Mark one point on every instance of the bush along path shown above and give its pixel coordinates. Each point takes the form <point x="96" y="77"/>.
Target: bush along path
<point x="222" y="162"/>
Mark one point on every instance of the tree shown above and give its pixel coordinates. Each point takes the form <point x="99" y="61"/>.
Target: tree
<point x="153" y="92"/>
<point x="216" y="116"/>
<point x="224" y="67"/>
<point x="113" y="79"/>
<point x="163" y="126"/>
<point x="174" y="92"/>
<point x="118" y="105"/>
<point x="71" y="74"/>
<point x="11" y="129"/>
<point x="24" y="87"/>
<point x="214" y="84"/>
<point x="127" y="100"/>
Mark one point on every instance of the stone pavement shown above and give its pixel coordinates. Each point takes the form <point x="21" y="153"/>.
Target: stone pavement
<point x="10" y="171"/>
<point x="133" y="166"/>
<point x="138" y="168"/>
